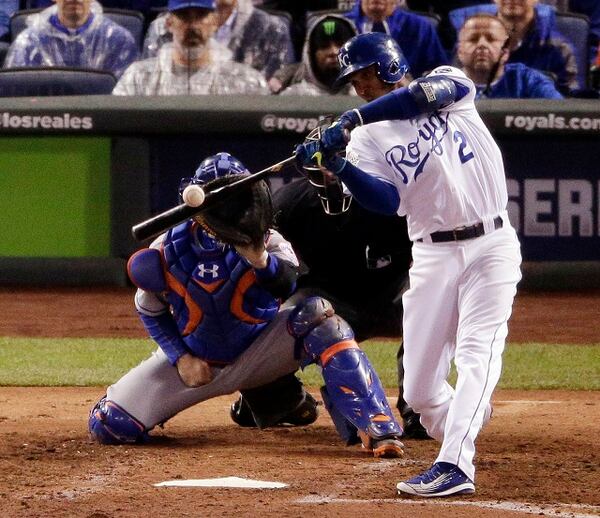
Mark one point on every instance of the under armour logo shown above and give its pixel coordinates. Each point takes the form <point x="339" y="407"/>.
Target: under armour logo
<point x="203" y="270"/>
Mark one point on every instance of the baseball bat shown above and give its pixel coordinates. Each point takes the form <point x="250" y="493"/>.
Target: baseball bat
<point x="175" y="215"/>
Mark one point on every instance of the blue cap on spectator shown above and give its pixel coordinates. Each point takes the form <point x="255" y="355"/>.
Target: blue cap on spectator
<point x="176" y="5"/>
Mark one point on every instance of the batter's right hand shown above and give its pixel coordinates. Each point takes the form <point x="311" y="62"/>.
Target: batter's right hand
<point x="193" y="371"/>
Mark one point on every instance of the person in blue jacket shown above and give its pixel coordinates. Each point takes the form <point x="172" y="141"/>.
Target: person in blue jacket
<point x="534" y="39"/>
<point x="73" y="34"/>
<point x="415" y="35"/>
<point x="591" y="8"/>
<point x="482" y="52"/>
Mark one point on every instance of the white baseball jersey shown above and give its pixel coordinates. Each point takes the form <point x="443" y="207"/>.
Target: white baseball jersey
<point x="446" y="166"/>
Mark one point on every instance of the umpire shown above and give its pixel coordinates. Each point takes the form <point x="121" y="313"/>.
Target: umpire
<point x="356" y="259"/>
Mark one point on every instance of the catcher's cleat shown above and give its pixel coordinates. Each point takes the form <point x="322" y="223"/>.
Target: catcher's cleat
<point x="389" y="447"/>
<point x="241" y="414"/>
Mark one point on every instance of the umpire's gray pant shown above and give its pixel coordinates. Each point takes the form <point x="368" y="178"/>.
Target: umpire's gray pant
<point x="153" y="392"/>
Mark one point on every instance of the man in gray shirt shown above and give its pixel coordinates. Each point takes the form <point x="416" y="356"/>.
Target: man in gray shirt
<point x="194" y="63"/>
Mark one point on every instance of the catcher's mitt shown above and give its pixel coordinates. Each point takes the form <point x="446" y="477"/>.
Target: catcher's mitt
<point x="242" y="218"/>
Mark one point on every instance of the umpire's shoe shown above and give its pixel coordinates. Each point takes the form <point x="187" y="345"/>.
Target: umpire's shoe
<point x="442" y="479"/>
<point x="413" y="429"/>
<point x="305" y="413"/>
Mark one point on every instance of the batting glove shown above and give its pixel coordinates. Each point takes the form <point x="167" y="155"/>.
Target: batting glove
<point x="336" y="137"/>
<point x="309" y="154"/>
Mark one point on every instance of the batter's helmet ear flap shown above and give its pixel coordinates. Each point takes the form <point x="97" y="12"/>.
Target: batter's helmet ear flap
<point x="372" y="48"/>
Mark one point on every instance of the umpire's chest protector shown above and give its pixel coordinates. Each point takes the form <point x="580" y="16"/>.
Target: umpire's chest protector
<point x="217" y="304"/>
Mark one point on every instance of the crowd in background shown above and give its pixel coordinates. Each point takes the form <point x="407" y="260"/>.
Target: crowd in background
<point x="509" y="48"/>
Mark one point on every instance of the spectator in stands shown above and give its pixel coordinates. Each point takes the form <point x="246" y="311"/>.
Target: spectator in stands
<point x="193" y="63"/>
<point x="319" y="68"/>
<point x="534" y="41"/>
<point x="482" y="52"/>
<point x="73" y="34"/>
<point x="298" y="10"/>
<point x="143" y="6"/>
<point x="415" y="35"/>
<point x="254" y="37"/>
<point x="442" y="8"/>
<point x="7" y="8"/>
<point x="591" y="8"/>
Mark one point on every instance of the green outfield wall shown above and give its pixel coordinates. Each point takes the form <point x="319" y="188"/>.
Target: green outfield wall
<point x="55" y="196"/>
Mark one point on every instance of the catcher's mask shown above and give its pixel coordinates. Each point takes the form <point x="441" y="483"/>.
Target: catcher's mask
<point x="330" y="190"/>
<point x="213" y="167"/>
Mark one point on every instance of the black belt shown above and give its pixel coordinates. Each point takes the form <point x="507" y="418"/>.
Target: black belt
<point x="462" y="233"/>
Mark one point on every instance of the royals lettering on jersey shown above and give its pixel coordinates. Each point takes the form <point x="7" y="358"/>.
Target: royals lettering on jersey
<point x="446" y="165"/>
<point x="415" y="154"/>
<point x="217" y="304"/>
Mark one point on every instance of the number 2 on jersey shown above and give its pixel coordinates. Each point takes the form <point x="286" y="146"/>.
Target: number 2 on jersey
<point x="464" y="152"/>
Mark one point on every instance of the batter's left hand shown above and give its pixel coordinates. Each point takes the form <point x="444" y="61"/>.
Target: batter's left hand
<point x="336" y="137"/>
<point x="309" y="154"/>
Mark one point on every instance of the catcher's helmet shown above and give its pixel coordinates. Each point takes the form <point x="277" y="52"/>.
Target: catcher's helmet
<point x="372" y="48"/>
<point x="213" y="167"/>
<point x="330" y="190"/>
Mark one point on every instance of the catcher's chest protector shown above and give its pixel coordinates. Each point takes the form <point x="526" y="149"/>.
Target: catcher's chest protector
<point x="217" y="304"/>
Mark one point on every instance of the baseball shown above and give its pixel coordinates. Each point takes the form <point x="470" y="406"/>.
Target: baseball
<point x="193" y="195"/>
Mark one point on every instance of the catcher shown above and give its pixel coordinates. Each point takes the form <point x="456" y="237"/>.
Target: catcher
<point x="209" y="293"/>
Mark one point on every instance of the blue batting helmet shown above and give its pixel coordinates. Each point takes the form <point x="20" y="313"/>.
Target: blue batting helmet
<point x="213" y="167"/>
<point x="372" y="48"/>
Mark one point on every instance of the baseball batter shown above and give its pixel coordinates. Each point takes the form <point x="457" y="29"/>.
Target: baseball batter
<point x="209" y="294"/>
<point x="424" y="152"/>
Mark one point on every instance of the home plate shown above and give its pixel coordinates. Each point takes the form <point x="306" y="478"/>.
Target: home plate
<point x="222" y="482"/>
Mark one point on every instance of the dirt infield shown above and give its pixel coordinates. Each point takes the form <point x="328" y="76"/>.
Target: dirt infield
<point x="539" y="455"/>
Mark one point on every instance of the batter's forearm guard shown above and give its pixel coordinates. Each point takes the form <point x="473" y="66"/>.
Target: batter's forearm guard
<point x="423" y="95"/>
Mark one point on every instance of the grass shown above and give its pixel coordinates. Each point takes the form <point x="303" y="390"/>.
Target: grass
<point x="101" y="361"/>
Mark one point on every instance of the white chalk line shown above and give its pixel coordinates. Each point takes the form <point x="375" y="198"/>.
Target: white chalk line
<point x="556" y="510"/>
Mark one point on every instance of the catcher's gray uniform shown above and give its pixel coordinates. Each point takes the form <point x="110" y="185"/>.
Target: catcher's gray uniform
<point x="153" y="392"/>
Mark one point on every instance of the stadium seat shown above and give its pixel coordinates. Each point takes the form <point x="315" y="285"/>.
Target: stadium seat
<point x="49" y="81"/>
<point x="576" y="28"/>
<point x="133" y="21"/>
<point x="3" y="50"/>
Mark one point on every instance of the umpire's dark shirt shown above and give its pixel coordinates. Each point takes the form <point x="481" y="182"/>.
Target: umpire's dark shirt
<point x="334" y="248"/>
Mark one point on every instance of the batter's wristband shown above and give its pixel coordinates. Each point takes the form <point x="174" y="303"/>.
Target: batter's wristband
<point x="340" y="168"/>
<point x="359" y="116"/>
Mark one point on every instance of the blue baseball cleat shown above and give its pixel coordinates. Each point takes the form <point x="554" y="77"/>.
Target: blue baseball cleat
<point x="442" y="479"/>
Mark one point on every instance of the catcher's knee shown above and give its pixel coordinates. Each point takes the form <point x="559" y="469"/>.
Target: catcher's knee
<point x="110" y="424"/>
<point x="318" y="329"/>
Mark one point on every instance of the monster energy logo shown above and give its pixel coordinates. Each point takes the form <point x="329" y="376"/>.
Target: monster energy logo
<point x="329" y="27"/>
